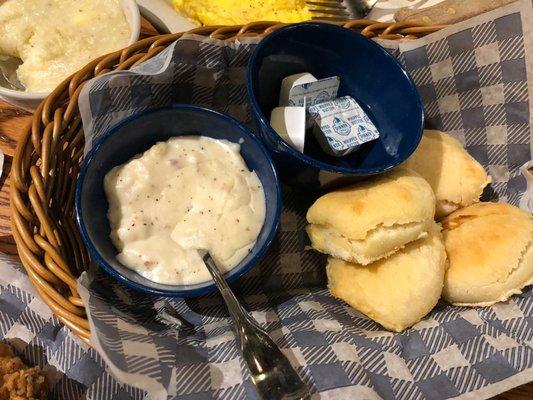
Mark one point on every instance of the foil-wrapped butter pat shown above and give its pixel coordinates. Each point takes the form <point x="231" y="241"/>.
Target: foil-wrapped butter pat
<point x="310" y="93"/>
<point x="341" y="126"/>
<point x="289" y="82"/>
<point x="289" y="124"/>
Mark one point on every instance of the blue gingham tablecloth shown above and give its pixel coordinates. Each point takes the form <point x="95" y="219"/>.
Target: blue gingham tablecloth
<point x="475" y="80"/>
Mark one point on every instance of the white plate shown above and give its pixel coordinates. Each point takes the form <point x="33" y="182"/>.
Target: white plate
<point x="164" y="17"/>
<point x="384" y="9"/>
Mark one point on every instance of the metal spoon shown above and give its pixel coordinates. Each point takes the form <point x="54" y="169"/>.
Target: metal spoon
<point x="8" y="73"/>
<point x="272" y="374"/>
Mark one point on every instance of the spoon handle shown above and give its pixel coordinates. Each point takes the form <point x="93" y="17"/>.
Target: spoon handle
<point x="271" y="372"/>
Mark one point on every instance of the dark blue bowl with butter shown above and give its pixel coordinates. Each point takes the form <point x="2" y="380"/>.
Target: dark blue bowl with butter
<point x="367" y="72"/>
<point x="137" y="134"/>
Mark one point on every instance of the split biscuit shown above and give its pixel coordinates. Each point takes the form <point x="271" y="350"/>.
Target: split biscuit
<point x="372" y="219"/>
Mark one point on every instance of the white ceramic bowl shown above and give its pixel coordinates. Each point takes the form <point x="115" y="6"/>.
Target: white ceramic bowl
<point x="163" y="17"/>
<point x="31" y="100"/>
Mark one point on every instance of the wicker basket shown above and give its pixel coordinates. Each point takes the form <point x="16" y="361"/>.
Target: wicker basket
<point x="48" y="155"/>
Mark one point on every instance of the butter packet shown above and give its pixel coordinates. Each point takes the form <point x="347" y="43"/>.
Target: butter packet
<point x="310" y="93"/>
<point x="341" y="126"/>
<point x="289" y="82"/>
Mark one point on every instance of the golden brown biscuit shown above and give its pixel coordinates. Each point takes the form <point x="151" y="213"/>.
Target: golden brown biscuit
<point x="372" y="219"/>
<point x="490" y="253"/>
<point x="397" y="291"/>
<point x="456" y="177"/>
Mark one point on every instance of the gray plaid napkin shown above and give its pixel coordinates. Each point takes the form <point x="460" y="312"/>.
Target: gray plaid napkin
<point x="474" y="81"/>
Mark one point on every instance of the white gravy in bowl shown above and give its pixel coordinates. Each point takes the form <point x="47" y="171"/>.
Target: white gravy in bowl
<point x="187" y="194"/>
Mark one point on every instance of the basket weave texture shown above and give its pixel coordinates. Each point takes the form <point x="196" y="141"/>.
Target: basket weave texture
<point x="50" y="151"/>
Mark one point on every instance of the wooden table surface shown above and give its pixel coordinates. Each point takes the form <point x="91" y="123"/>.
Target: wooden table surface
<point x="14" y="120"/>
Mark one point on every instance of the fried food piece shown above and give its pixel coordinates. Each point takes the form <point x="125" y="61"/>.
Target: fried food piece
<point x="17" y="381"/>
<point x="5" y="351"/>
<point x="25" y="384"/>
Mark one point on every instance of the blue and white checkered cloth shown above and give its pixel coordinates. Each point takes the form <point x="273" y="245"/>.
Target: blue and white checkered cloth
<point x="475" y="83"/>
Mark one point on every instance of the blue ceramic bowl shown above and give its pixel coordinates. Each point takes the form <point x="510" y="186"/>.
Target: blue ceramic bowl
<point x="137" y="134"/>
<point x="367" y="72"/>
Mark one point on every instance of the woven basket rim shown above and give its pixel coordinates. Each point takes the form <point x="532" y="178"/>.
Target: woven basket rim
<point x="50" y="150"/>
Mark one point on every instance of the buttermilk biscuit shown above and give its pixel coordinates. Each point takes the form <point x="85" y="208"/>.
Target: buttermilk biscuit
<point x="455" y="176"/>
<point x="397" y="291"/>
<point x="490" y="253"/>
<point x="372" y="219"/>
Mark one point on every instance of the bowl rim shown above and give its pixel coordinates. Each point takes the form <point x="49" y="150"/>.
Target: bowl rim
<point x="301" y="156"/>
<point x="129" y="7"/>
<point x="200" y="288"/>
